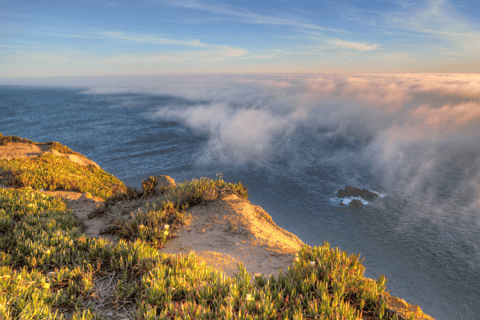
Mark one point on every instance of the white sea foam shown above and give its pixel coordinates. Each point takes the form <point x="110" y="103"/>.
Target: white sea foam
<point x="346" y="201"/>
<point x="420" y="132"/>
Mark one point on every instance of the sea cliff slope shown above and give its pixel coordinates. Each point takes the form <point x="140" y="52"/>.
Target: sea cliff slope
<point x="78" y="243"/>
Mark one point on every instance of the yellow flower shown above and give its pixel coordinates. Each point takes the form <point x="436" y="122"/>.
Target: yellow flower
<point x="249" y="297"/>
<point x="46" y="285"/>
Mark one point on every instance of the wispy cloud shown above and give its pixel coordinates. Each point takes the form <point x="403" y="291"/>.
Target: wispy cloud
<point x="356" y="45"/>
<point x="212" y="52"/>
<point x="60" y="63"/>
<point x="154" y="40"/>
<point x="439" y="19"/>
<point x="246" y="16"/>
<point x="436" y="19"/>
<point x="263" y="56"/>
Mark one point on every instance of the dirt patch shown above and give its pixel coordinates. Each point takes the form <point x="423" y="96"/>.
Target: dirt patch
<point x="15" y="150"/>
<point x="231" y="230"/>
<point x="84" y="206"/>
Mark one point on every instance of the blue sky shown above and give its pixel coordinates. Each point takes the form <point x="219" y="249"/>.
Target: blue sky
<point x="91" y="38"/>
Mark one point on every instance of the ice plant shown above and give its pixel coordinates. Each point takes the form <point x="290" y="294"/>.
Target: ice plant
<point x="43" y="247"/>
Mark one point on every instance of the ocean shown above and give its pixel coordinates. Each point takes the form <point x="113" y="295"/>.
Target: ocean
<point x="294" y="140"/>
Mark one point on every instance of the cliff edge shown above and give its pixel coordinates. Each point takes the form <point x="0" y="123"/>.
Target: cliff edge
<point x="223" y="229"/>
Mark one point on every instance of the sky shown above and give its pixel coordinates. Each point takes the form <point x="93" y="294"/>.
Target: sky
<point x="142" y="37"/>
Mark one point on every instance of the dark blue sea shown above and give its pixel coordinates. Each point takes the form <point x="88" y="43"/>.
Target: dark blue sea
<point x="294" y="141"/>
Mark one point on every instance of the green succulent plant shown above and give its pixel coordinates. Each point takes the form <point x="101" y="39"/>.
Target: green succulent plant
<point x="49" y="269"/>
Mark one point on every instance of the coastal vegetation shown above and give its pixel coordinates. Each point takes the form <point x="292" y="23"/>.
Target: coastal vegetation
<point x="50" y="172"/>
<point x="49" y="269"/>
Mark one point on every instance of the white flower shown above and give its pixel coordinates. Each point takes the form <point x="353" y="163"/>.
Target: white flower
<point x="296" y="259"/>
<point x="312" y="263"/>
<point x="249" y="297"/>
<point x="166" y="226"/>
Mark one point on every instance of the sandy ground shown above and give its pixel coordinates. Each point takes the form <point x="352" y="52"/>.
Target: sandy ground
<point x="223" y="231"/>
<point x="230" y="230"/>
<point x="16" y="150"/>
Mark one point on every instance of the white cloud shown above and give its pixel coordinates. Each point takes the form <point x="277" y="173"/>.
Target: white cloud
<point x="356" y="45"/>
<point x="153" y="39"/>
<point x="225" y="53"/>
<point x="235" y="52"/>
<point x="263" y="56"/>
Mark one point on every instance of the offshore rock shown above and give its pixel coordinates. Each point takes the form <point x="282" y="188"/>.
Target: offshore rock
<point x="355" y="203"/>
<point x="356" y="192"/>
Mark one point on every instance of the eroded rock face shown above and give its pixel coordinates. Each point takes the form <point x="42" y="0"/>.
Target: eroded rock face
<point x="404" y="309"/>
<point x="356" y="192"/>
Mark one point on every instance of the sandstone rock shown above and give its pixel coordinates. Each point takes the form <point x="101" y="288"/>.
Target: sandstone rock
<point x="355" y="203"/>
<point x="164" y="182"/>
<point x="356" y="192"/>
<point x="404" y="309"/>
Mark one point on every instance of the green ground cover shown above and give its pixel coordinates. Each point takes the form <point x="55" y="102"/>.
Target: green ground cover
<point x="48" y="267"/>
<point x="52" y="172"/>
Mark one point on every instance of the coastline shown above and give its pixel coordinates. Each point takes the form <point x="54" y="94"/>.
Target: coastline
<point x="223" y="230"/>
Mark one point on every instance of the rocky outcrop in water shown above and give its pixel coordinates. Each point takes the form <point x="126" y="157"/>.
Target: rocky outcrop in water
<point x="355" y="203"/>
<point x="356" y="192"/>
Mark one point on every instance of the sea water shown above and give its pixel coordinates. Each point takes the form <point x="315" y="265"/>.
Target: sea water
<point x="294" y="145"/>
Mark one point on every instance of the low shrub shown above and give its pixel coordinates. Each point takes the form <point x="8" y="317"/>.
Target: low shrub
<point x="191" y="192"/>
<point x="155" y="226"/>
<point x="59" y="173"/>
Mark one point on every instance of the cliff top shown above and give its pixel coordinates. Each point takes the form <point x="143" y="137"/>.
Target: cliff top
<point x="210" y="218"/>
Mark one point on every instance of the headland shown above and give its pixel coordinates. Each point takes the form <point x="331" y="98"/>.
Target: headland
<point x="169" y="250"/>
